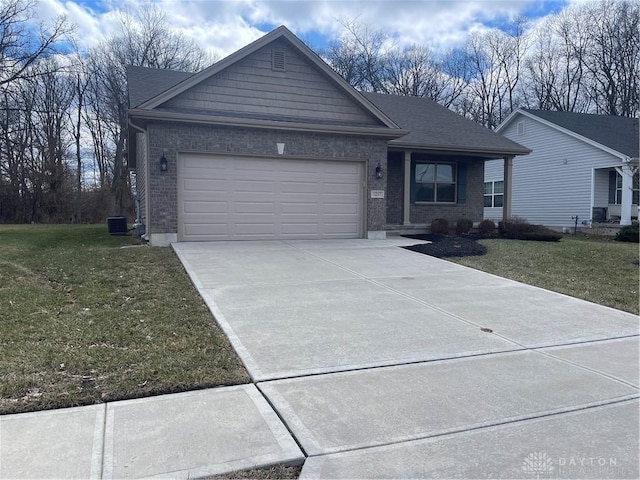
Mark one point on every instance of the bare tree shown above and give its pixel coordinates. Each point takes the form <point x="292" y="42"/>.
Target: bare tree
<point x="80" y="84"/>
<point x="359" y="56"/>
<point x="495" y="61"/>
<point x="146" y="40"/>
<point x="20" y="47"/>
<point x="554" y="75"/>
<point x="613" y="57"/>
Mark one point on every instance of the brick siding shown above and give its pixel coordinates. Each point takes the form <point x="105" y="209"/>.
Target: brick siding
<point x="171" y="138"/>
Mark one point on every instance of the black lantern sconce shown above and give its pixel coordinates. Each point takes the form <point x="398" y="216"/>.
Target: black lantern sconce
<point x="379" y="171"/>
<point x="164" y="164"/>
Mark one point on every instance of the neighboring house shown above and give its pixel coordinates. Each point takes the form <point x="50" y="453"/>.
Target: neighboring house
<point x="581" y="165"/>
<point x="271" y="143"/>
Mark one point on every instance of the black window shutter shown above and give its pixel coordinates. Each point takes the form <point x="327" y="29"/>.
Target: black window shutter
<point x="612" y="187"/>
<point x="462" y="183"/>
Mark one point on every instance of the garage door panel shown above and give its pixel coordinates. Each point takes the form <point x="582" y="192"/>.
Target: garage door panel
<point x="236" y="198"/>
<point x="287" y="208"/>
<point x="340" y="209"/>
<point x="254" y="229"/>
<point x="214" y="229"/>
<point x="204" y="185"/>
<point x="303" y="186"/>
<point x="205" y="207"/>
<point x="253" y="207"/>
<point x="300" y="229"/>
<point x="252" y="186"/>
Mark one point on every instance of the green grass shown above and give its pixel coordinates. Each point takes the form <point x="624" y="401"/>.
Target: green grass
<point x="85" y="320"/>
<point x="598" y="270"/>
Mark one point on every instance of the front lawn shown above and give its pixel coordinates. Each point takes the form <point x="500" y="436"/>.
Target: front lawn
<point x="85" y="320"/>
<point x="601" y="271"/>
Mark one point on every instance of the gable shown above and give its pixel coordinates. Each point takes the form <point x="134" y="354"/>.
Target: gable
<point x="295" y="90"/>
<point x="618" y="136"/>
<point x="617" y="133"/>
<point x="555" y="153"/>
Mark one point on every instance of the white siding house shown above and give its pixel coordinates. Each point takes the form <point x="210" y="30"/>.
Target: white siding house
<point x="569" y="172"/>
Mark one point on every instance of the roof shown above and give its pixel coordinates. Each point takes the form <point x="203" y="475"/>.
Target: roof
<point x="146" y="83"/>
<point x="430" y="126"/>
<point x="435" y="127"/>
<point x="618" y="133"/>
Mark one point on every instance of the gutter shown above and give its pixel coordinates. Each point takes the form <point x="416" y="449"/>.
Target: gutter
<point x="459" y="149"/>
<point x="140" y="129"/>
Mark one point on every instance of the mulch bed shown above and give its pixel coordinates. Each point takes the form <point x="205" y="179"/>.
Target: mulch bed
<point x="444" y="246"/>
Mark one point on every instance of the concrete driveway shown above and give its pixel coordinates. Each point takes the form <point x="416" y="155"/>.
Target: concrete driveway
<point x="387" y="363"/>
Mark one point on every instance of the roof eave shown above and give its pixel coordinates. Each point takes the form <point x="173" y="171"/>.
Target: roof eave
<point x="146" y="114"/>
<point x="571" y="133"/>
<point x="498" y="152"/>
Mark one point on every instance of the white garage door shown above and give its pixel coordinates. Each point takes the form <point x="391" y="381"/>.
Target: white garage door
<point x="222" y="198"/>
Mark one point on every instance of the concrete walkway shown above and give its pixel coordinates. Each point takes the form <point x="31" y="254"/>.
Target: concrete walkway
<point x="184" y="435"/>
<point x="368" y="361"/>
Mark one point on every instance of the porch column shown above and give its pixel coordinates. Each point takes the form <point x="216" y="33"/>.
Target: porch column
<point x="406" y="204"/>
<point x="507" y="177"/>
<point x="627" y="193"/>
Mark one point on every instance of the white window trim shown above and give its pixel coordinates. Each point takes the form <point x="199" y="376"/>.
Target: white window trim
<point x="493" y="193"/>
<point x="618" y="195"/>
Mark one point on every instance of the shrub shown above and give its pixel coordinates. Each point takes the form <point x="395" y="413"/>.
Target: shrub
<point x="519" y="229"/>
<point x="487" y="227"/>
<point x="513" y="226"/>
<point x="463" y="225"/>
<point x="629" y="233"/>
<point x="440" y="225"/>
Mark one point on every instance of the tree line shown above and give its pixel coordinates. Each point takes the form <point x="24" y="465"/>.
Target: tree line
<point x="585" y="59"/>
<point x="63" y="124"/>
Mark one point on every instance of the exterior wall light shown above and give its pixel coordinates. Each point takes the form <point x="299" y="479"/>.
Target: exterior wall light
<point x="164" y="164"/>
<point x="379" y="171"/>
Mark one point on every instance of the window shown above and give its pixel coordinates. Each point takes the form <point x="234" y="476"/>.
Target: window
<point x="493" y="194"/>
<point x="435" y="182"/>
<point x="636" y="189"/>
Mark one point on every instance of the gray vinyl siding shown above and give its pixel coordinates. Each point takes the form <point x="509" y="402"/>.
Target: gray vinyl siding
<point x="493" y="172"/>
<point x="251" y="87"/>
<point x="601" y="196"/>
<point x="554" y="182"/>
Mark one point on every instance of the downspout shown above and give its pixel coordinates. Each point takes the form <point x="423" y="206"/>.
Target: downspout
<point x="138" y="225"/>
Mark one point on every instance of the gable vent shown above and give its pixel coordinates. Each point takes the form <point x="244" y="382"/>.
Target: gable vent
<point x="521" y="128"/>
<point x="277" y="60"/>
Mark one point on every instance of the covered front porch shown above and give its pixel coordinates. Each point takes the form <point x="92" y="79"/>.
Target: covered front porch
<point x="423" y="185"/>
<point x="615" y="194"/>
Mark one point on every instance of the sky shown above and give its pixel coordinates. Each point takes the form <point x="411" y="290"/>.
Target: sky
<point x="224" y="26"/>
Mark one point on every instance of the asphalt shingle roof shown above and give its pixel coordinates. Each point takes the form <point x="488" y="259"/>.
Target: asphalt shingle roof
<point x="436" y="127"/>
<point x="618" y="133"/>
<point x="431" y="125"/>
<point x="146" y="83"/>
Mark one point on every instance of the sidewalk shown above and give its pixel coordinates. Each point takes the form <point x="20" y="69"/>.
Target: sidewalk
<point x="183" y="435"/>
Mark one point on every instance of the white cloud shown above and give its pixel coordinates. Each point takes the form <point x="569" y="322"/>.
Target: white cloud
<point x="222" y="27"/>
